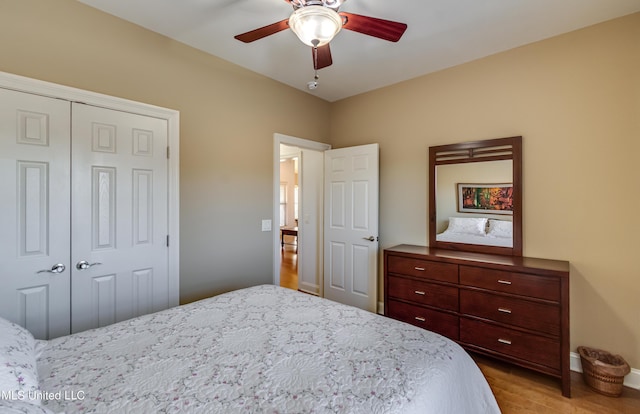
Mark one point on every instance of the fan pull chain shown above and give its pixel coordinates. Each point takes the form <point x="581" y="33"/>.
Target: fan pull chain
<point x="314" y="83"/>
<point x="315" y="57"/>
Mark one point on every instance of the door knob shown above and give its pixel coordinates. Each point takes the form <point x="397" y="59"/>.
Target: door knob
<point x="57" y="268"/>
<point x="370" y="238"/>
<point x="83" y="264"/>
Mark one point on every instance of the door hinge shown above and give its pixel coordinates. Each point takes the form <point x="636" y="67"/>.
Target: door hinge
<point x="167" y="152"/>
<point x="167" y="240"/>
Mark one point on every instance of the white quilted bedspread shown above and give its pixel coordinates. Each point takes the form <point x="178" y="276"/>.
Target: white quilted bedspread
<point x="262" y="350"/>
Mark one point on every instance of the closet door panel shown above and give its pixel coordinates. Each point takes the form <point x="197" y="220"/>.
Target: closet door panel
<point x="35" y="212"/>
<point x="120" y="222"/>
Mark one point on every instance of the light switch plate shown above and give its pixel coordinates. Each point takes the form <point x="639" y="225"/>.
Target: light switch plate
<point x="266" y="225"/>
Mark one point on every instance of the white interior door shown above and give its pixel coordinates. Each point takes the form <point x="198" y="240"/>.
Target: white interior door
<point x="351" y="226"/>
<point x="119" y="209"/>
<point x="34" y="212"/>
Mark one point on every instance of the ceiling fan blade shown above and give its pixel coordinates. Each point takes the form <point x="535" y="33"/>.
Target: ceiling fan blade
<point x="321" y="57"/>
<point x="380" y="28"/>
<point x="263" y="31"/>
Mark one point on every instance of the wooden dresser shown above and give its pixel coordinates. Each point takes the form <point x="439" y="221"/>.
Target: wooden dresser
<point x="512" y="308"/>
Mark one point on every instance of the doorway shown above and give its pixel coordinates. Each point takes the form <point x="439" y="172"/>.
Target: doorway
<point x="301" y="253"/>
<point x="337" y="235"/>
<point x="288" y="224"/>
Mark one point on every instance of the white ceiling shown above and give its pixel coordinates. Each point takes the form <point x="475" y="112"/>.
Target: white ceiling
<point x="440" y="34"/>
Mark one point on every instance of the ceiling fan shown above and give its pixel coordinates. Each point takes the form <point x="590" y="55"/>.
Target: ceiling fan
<point x="316" y="22"/>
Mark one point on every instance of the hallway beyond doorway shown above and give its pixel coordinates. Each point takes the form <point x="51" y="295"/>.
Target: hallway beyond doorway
<point x="289" y="266"/>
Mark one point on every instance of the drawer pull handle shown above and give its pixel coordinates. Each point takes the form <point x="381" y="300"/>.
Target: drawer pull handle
<point x="419" y="292"/>
<point x="504" y="310"/>
<point x="504" y="341"/>
<point x="421" y="269"/>
<point x="504" y="282"/>
<point x="420" y="318"/>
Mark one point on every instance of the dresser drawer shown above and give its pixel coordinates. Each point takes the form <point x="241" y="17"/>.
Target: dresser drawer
<point x="445" y="272"/>
<point x="523" y="313"/>
<point x="439" y="322"/>
<point x="529" y="347"/>
<point x="543" y="287"/>
<point x="425" y="293"/>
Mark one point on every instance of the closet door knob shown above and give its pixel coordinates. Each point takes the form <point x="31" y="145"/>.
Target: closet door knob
<point x="57" y="268"/>
<point x="83" y="264"/>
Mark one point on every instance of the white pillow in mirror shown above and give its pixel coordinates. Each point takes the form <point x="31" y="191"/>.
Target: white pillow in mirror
<point x="468" y="225"/>
<point x="500" y="228"/>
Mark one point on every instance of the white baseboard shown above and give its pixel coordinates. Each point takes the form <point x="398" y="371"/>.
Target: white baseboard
<point x="381" y="308"/>
<point x="632" y="380"/>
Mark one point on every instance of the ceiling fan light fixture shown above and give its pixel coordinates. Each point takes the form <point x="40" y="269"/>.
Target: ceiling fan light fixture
<point x="315" y="25"/>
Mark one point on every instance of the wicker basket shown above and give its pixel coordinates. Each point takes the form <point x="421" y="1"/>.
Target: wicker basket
<point x="603" y="371"/>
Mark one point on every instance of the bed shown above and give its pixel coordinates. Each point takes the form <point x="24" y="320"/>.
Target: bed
<point x="453" y="237"/>
<point x="263" y="349"/>
<point x="478" y="230"/>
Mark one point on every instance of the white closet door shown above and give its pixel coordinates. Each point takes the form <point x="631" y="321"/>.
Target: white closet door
<point x="119" y="210"/>
<point x="34" y="212"/>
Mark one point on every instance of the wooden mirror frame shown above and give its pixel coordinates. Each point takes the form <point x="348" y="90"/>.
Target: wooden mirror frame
<point x="479" y="151"/>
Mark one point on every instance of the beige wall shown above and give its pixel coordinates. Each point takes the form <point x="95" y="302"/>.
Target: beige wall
<point x="575" y="99"/>
<point x="228" y="117"/>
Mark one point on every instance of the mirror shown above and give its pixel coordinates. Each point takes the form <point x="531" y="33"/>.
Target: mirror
<point x="475" y="196"/>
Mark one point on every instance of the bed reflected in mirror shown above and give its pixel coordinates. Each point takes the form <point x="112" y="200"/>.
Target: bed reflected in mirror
<point x="475" y="196"/>
<point x="475" y="203"/>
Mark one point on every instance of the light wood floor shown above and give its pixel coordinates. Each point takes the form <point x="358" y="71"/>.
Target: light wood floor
<point x="289" y="266"/>
<point x="518" y="390"/>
